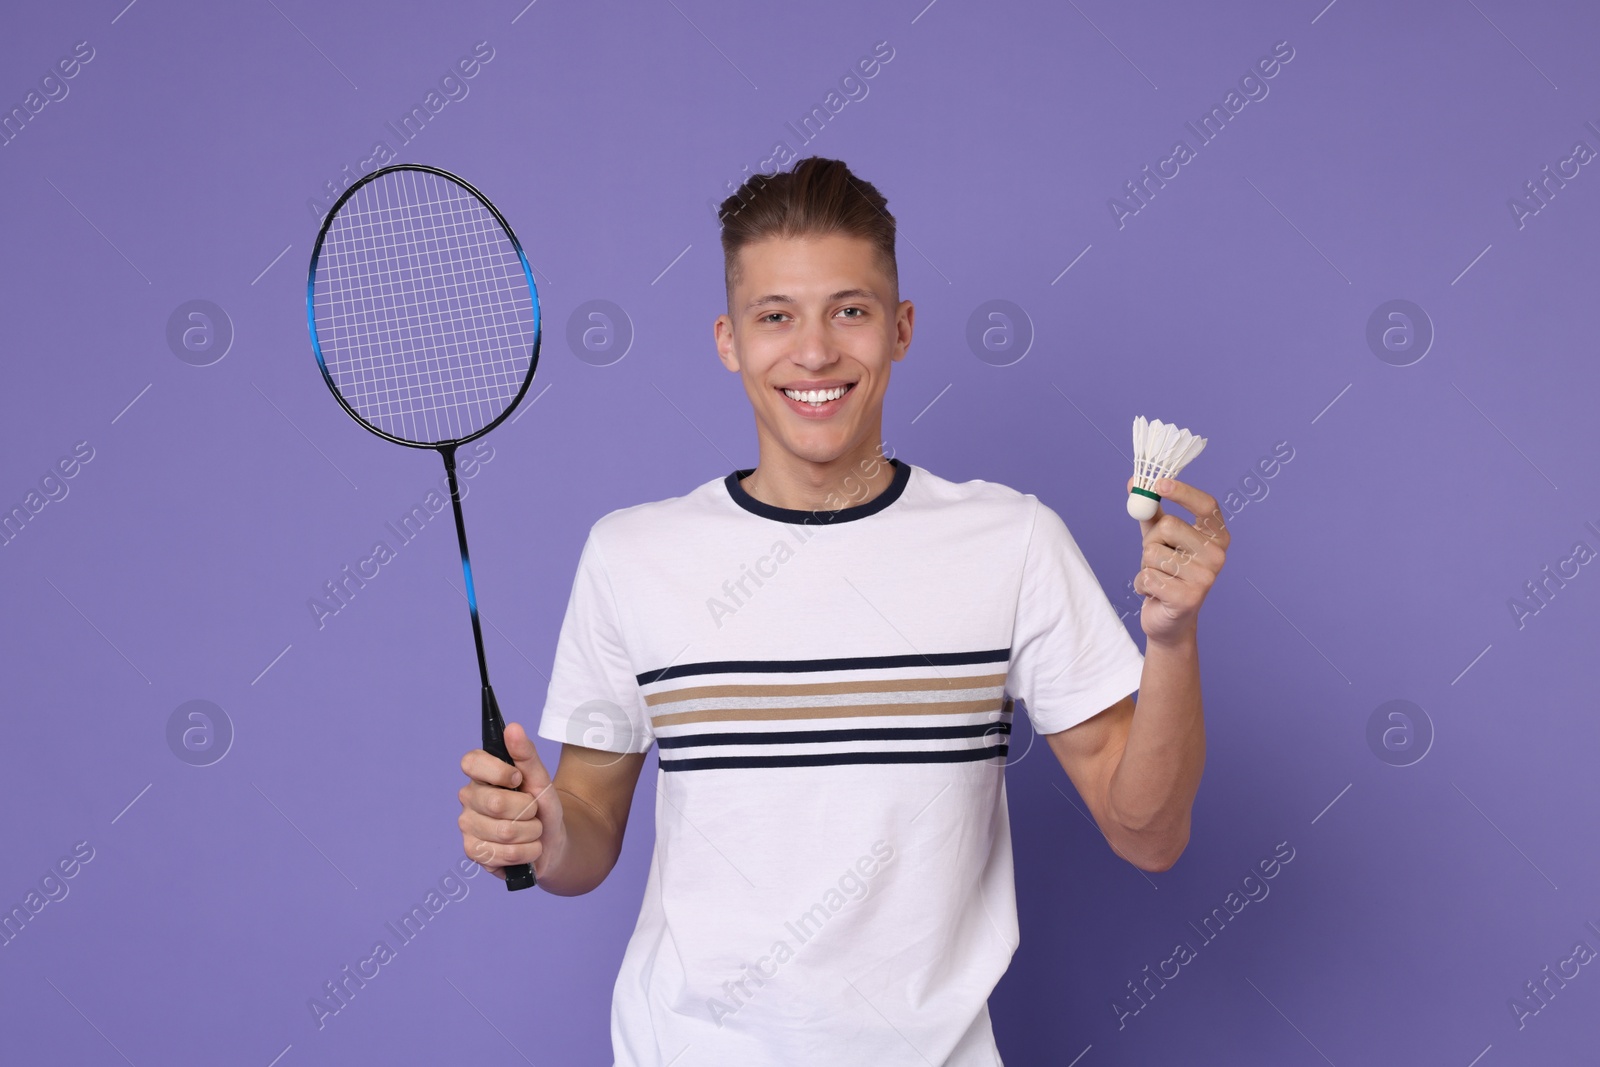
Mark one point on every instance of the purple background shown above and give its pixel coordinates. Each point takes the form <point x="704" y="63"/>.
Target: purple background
<point x="1379" y="564"/>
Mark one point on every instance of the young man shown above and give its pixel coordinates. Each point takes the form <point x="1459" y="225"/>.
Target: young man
<point x="826" y="651"/>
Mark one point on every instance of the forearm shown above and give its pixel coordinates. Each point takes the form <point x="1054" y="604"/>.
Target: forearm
<point x="583" y="853"/>
<point x="1151" y="793"/>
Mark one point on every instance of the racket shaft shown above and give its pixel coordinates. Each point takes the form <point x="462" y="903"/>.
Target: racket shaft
<point x="519" y="876"/>
<point x="449" y="454"/>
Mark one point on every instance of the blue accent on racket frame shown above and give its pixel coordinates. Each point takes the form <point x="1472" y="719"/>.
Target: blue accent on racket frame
<point x="533" y="287"/>
<point x="311" y="318"/>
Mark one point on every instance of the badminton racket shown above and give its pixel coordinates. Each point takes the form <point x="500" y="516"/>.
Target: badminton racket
<point x="425" y="321"/>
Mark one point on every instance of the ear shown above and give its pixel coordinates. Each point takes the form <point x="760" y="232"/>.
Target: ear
<point x="905" y="318"/>
<point x="722" y="331"/>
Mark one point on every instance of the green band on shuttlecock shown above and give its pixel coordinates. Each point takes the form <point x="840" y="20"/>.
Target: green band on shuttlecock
<point x="1145" y="492"/>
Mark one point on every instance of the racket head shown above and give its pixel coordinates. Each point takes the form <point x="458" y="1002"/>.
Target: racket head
<point x="423" y="311"/>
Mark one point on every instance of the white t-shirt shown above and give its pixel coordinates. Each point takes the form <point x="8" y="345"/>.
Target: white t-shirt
<point x="831" y="697"/>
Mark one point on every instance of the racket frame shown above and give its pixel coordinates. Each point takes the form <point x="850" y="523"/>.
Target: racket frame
<point x="311" y="311"/>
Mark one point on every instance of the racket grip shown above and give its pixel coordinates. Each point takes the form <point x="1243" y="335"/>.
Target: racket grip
<point x="519" y="876"/>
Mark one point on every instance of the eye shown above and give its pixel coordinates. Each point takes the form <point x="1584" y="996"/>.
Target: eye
<point x="863" y="311"/>
<point x="769" y="316"/>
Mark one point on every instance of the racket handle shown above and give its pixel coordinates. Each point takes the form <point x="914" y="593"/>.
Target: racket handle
<point x="519" y="876"/>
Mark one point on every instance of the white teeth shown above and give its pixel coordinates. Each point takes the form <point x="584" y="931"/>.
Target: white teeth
<point x="816" y="396"/>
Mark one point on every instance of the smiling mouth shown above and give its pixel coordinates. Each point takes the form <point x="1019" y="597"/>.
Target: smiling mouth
<point x="818" y="398"/>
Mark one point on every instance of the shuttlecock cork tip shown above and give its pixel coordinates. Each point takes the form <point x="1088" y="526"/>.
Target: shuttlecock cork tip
<point x="1142" y="506"/>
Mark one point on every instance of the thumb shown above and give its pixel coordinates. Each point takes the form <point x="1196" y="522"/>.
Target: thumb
<point x="525" y="757"/>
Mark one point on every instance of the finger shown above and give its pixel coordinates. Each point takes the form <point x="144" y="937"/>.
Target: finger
<point x="482" y="767"/>
<point x="481" y="853"/>
<point x="1175" y="596"/>
<point x="1182" y="563"/>
<point x="535" y="779"/>
<point x="1202" y="505"/>
<point x="500" y="831"/>
<point x="1199" y="566"/>
<point x="1151" y="582"/>
<point x="496" y="806"/>
<point x="1164" y="558"/>
<point x="494" y="857"/>
<point x="1173" y="532"/>
<point x="511" y="855"/>
<point x="497" y="803"/>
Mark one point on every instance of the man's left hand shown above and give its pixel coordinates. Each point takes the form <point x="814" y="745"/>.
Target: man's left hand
<point x="1180" y="562"/>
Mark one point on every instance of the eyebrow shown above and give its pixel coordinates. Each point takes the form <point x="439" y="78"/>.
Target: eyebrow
<point x="779" y="298"/>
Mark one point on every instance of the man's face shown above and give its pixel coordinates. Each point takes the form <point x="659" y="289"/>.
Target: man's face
<point x="814" y="313"/>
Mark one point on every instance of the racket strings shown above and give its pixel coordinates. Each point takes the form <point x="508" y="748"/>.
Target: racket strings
<point x="424" y="314"/>
<point x="408" y="275"/>
<point x="408" y="287"/>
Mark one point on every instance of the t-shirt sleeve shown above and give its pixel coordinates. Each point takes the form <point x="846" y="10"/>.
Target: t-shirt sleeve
<point x="594" y="698"/>
<point x="1071" y="656"/>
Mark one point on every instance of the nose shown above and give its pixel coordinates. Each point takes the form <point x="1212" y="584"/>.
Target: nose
<point x="812" y="349"/>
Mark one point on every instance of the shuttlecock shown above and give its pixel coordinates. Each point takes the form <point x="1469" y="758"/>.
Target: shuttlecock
<point x="1160" y="450"/>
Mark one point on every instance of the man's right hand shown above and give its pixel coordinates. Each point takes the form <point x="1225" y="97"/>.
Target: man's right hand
<point x="510" y="814"/>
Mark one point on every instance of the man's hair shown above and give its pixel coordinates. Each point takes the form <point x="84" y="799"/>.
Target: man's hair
<point x="816" y="197"/>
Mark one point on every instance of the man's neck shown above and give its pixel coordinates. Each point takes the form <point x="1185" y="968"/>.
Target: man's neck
<point x="784" y="480"/>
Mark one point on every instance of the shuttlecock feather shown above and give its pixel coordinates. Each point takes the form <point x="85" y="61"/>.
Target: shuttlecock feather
<point x="1160" y="450"/>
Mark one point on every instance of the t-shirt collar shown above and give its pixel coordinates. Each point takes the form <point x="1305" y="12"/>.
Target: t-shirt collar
<point x="902" y="474"/>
